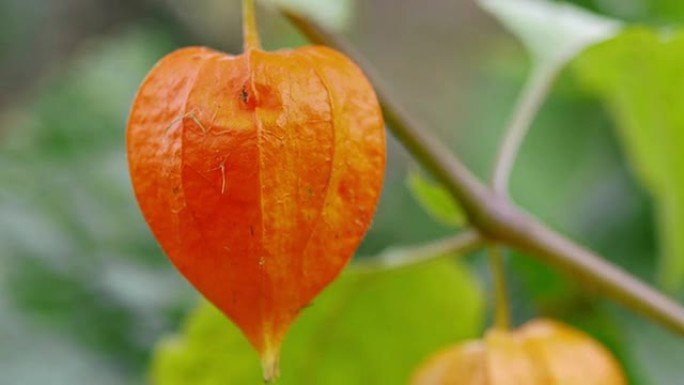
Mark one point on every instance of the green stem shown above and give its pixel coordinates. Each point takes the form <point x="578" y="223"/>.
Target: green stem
<point x="498" y="219"/>
<point x="249" y="26"/>
<point x="399" y="258"/>
<point x="531" y="99"/>
<point x="502" y="310"/>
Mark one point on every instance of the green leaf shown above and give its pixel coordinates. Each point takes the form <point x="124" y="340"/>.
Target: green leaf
<point x="365" y="329"/>
<point x="64" y="188"/>
<point x="639" y="76"/>
<point x="334" y="14"/>
<point x="657" y="351"/>
<point x="552" y="32"/>
<point x="435" y="200"/>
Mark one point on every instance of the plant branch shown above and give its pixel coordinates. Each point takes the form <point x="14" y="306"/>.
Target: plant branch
<point x="397" y="258"/>
<point x="528" y="104"/>
<point x="495" y="217"/>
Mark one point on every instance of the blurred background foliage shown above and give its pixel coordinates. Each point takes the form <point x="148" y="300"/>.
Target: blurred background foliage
<point x="86" y="294"/>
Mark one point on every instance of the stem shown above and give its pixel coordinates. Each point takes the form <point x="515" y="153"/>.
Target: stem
<point x="498" y="219"/>
<point x="502" y="311"/>
<point x="595" y="273"/>
<point x="530" y="100"/>
<point x="249" y="26"/>
<point x="394" y="258"/>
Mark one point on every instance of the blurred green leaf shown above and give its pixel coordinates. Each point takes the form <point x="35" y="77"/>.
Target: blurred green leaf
<point x="639" y="76"/>
<point x="435" y="200"/>
<point x="552" y="32"/>
<point x="81" y="276"/>
<point x="334" y="14"/>
<point x="667" y="11"/>
<point x="658" y="352"/>
<point x="365" y="329"/>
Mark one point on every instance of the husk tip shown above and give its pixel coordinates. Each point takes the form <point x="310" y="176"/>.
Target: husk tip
<point x="270" y="365"/>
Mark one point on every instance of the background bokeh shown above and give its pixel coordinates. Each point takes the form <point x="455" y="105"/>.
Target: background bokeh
<point x="85" y="292"/>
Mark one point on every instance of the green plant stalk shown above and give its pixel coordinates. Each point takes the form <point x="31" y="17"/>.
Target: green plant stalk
<point x="250" y="30"/>
<point x="495" y="217"/>
<point x="529" y="102"/>
<point x="502" y="308"/>
<point x="531" y="99"/>
<point x="462" y="243"/>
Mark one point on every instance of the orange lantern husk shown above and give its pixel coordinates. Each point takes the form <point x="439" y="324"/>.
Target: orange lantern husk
<point x="258" y="174"/>
<point x="542" y="352"/>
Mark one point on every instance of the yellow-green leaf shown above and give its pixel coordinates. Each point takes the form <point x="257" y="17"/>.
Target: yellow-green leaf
<point x="640" y="76"/>
<point x="435" y="200"/>
<point x="365" y="329"/>
<point x="334" y="14"/>
<point x="553" y="32"/>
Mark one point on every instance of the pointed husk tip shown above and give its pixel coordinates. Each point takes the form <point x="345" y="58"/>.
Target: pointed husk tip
<point x="270" y="365"/>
